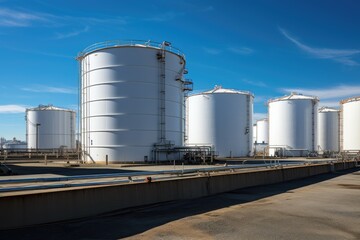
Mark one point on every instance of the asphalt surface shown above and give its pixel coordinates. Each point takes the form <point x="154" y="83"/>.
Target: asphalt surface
<point x="321" y="207"/>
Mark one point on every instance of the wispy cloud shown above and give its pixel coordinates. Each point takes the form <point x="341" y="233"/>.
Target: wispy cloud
<point x="241" y="50"/>
<point x="339" y="55"/>
<point x="12" y="109"/>
<point x="87" y="21"/>
<point x="14" y="18"/>
<point x="329" y="97"/>
<point x="254" y="83"/>
<point x="33" y="51"/>
<point x="49" y="89"/>
<point x="26" y="18"/>
<point x="72" y="34"/>
<point x="341" y="91"/>
<point x="212" y="51"/>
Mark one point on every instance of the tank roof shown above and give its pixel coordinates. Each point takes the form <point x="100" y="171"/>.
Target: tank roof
<point x="294" y="96"/>
<point x="328" y="109"/>
<point x="130" y="43"/>
<point x="352" y="99"/>
<point x="219" y="89"/>
<point x="48" y="107"/>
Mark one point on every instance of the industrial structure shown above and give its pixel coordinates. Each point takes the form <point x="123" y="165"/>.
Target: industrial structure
<point x="293" y="125"/>
<point x="49" y="127"/>
<point x="328" y="131"/>
<point x="350" y="125"/>
<point x="134" y="107"/>
<point x="254" y="133"/>
<point x="221" y="118"/>
<point x="14" y="144"/>
<point x="262" y="131"/>
<point x="132" y="101"/>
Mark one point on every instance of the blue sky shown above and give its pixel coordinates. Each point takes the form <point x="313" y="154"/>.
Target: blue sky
<point x="267" y="47"/>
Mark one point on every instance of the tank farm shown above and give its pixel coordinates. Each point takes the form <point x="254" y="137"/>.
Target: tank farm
<point x="142" y="136"/>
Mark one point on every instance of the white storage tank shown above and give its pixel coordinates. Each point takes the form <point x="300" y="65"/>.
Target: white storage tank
<point x="350" y="124"/>
<point x="328" y="130"/>
<point x="132" y="98"/>
<point x="14" y="145"/>
<point x="49" y="127"/>
<point x="221" y="118"/>
<point x="254" y="133"/>
<point x="262" y="131"/>
<point x="293" y="125"/>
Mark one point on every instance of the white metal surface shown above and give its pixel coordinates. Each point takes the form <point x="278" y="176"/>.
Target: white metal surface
<point x="221" y="118"/>
<point x="350" y="124"/>
<point x="328" y="130"/>
<point x="124" y="110"/>
<point x="262" y="131"/>
<point x="50" y="127"/>
<point x="254" y="133"/>
<point x="293" y="124"/>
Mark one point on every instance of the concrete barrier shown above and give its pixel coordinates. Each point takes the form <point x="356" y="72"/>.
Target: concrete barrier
<point x="47" y="206"/>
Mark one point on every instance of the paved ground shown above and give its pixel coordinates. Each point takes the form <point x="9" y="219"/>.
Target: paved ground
<point x="321" y="207"/>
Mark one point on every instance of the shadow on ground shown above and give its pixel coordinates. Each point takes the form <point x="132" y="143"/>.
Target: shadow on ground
<point x="130" y="222"/>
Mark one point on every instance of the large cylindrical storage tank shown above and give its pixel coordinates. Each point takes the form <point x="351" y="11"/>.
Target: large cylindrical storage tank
<point x="49" y="127"/>
<point x="350" y="124"/>
<point x="221" y="118"/>
<point x="262" y="131"/>
<point x="132" y="98"/>
<point x="328" y="130"/>
<point x="293" y="125"/>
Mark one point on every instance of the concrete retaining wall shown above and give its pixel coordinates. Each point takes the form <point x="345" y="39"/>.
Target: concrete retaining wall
<point x="57" y="205"/>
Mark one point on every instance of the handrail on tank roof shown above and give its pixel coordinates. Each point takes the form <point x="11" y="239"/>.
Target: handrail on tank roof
<point x="121" y="43"/>
<point x="352" y="99"/>
<point x="313" y="98"/>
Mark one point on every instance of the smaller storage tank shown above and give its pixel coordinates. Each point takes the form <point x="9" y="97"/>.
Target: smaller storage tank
<point x="350" y="124"/>
<point x="328" y="130"/>
<point x="262" y="131"/>
<point x="221" y="118"/>
<point x="293" y="125"/>
<point x="49" y="127"/>
<point x="14" y="145"/>
<point x="254" y="133"/>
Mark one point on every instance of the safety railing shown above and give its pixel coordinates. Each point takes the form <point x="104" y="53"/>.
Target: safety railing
<point x="120" y="43"/>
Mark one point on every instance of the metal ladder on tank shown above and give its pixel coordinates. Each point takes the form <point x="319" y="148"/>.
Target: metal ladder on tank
<point x="247" y="129"/>
<point x="85" y="111"/>
<point x="72" y="133"/>
<point x="340" y="128"/>
<point x="186" y="120"/>
<point x="313" y="126"/>
<point x="162" y="103"/>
